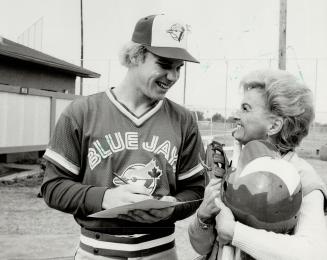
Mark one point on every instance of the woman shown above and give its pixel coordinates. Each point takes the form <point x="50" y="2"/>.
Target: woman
<point x="278" y="108"/>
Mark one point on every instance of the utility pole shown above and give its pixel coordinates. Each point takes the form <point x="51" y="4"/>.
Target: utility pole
<point x="282" y="34"/>
<point x="188" y="30"/>
<point x="185" y="78"/>
<point x="82" y="49"/>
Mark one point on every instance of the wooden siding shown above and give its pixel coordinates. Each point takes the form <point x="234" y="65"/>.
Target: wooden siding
<point x="27" y="120"/>
<point x="29" y="75"/>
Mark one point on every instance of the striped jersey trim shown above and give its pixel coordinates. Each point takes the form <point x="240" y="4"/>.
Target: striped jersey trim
<point x="56" y="157"/>
<point x="138" y="121"/>
<point x="191" y="172"/>
<point x="124" y="246"/>
<point x="140" y="254"/>
<point x="128" y="238"/>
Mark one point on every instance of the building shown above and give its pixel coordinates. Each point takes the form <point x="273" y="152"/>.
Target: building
<point x="34" y="90"/>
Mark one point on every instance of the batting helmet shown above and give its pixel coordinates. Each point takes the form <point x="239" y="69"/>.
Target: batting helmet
<point x="265" y="191"/>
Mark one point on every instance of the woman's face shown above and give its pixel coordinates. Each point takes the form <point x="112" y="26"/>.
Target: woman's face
<point x="252" y="119"/>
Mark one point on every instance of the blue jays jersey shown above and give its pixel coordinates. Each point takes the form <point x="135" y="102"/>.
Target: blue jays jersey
<point x="97" y="136"/>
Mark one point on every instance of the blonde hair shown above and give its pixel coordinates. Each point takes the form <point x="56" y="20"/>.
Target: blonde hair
<point x="131" y="54"/>
<point x="287" y="97"/>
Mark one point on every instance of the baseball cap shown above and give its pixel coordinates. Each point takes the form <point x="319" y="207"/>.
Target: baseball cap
<point x="163" y="36"/>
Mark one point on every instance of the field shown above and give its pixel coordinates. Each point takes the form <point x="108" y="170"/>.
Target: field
<point x="30" y="230"/>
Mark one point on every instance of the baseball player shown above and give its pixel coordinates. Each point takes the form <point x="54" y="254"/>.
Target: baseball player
<point x="128" y="144"/>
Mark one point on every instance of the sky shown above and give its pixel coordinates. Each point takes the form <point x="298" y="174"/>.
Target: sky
<point x="229" y="37"/>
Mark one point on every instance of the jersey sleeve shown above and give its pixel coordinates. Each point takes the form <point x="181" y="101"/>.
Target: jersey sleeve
<point x="191" y="152"/>
<point x="64" y="149"/>
<point x="62" y="186"/>
<point x="191" y="176"/>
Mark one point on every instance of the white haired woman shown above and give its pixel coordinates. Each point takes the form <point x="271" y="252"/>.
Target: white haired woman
<point x="278" y="108"/>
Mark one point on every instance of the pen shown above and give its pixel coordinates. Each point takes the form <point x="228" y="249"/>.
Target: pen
<point x="120" y="178"/>
<point x="206" y="167"/>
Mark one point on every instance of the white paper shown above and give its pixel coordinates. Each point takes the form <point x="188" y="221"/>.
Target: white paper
<point x="142" y="205"/>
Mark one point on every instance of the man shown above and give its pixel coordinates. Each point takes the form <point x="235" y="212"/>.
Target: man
<point x="126" y="145"/>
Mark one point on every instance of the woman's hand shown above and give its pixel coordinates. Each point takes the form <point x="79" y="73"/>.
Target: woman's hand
<point x="208" y="208"/>
<point x="225" y="223"/>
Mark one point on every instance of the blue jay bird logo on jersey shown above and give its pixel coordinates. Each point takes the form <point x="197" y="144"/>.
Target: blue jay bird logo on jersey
<point x="141" y="174"/>
<point x="176" y="31"/>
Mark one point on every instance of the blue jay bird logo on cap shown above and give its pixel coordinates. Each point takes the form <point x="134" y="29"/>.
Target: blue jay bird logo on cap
<point x="176" y="31"/>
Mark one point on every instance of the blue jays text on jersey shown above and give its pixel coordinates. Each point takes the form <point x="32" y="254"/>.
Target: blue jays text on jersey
<point x="117" y="142"/>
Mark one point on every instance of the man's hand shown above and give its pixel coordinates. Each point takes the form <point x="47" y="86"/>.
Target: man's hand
<point x="152" y="215"/>
<point x="225" y="223"/>
<point x="124" y="194"/>
<point x="208" y="208"/>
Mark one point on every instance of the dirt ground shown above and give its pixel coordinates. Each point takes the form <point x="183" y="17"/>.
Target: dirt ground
<point x="29" y="229"/>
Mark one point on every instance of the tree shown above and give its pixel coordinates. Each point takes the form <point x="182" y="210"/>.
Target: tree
<point x="200" y="115"/>
<point x="231" y="119"/>
<point x="218" y="118"/>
